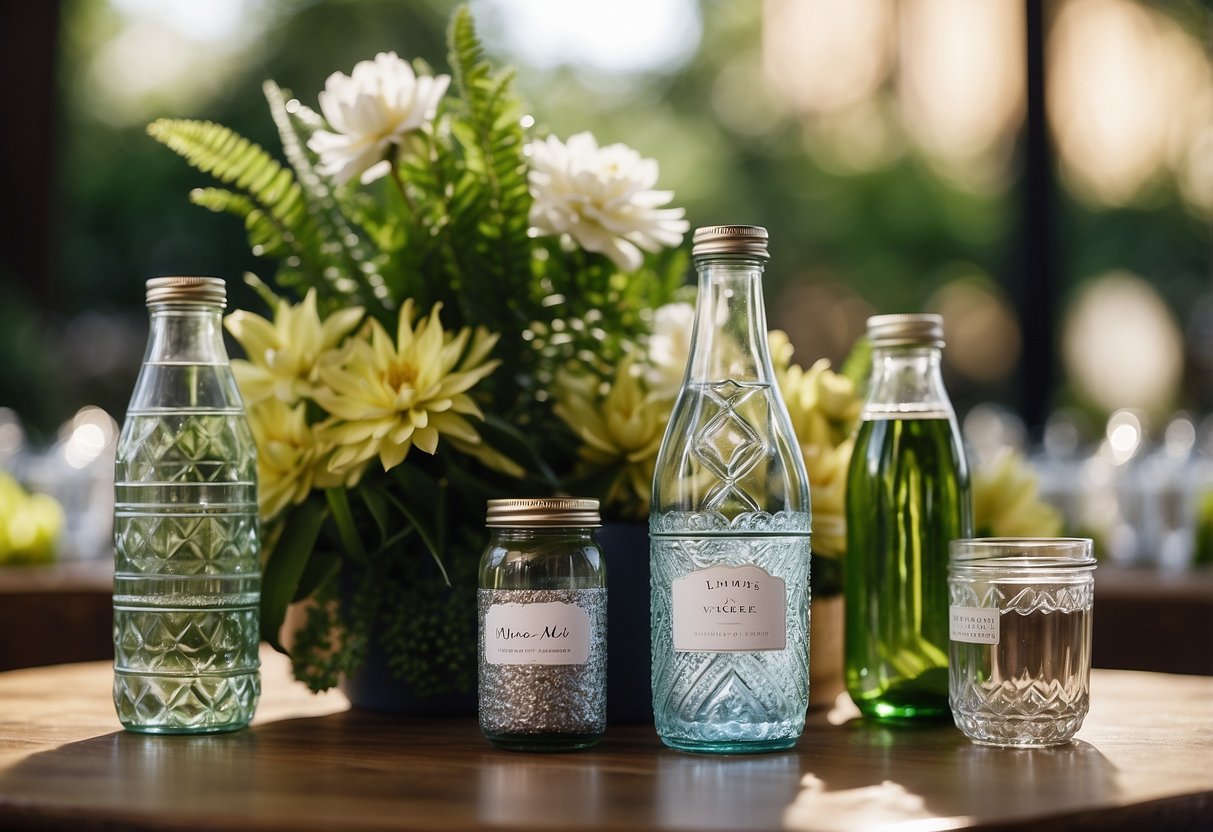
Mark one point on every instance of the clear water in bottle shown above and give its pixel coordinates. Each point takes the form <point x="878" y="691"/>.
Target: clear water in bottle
<point x="186" y="537"/>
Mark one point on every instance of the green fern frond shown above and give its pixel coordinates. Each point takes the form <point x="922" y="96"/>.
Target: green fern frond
<point x="490" y="219"/>
<point x="273" y="206"/>
<point x="263" y="234"/>
<point x="350" y="254"/>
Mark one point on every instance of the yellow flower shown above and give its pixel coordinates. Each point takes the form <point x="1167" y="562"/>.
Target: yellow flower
<point x="386" y="397"/>
<point x="824" y="407"/>
<point x="1005" y="501"/>
<point x="283" y="354"/>
<point x="623" y="427"/>
<point x="287" y="454"/>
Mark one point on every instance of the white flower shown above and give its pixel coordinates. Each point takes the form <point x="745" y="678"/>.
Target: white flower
<point x="602" y="197"/>
<point x="670" y="347"/>
<point x="370" y="110"/>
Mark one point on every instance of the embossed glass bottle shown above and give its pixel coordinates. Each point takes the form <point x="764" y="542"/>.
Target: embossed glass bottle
<point x="730" y="527"/>
<point x="907" y="496"/>
<point x="186" y="572"/>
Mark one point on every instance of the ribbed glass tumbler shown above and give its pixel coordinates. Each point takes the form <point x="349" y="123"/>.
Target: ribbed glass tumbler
<point x="1020" y="638"/>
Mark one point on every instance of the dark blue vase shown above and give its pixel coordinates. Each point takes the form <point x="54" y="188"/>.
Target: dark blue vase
<point x="372" y="687"/>
<point x="625" y="547"/>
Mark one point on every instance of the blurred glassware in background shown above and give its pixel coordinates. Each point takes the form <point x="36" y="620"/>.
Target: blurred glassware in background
<point x="1146" y="501"/>
<point x="12" y="440"/>
<point x="1168" y="489"/>
<point x="77" y="471"/>
<point x="1058" y="463"/>
<point x="990" y="428"/>
<point x="29" y="523"/>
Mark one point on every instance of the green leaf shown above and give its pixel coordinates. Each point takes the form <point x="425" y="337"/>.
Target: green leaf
<point x="428" y="536"/>
<point x="285" y="566"/>
<point x="339" y="505"/>
<point x="857" y="366"/>
<point x="376" y="506"/>
<point x="321" y="566"/>
<point x="502" y="436"/>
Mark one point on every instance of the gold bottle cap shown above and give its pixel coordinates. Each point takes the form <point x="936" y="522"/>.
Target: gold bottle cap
<point x="906" y="330"/>
<point x="744" y="240"/>
<point x="543" y="512"/>
<point x="186" y="290"/>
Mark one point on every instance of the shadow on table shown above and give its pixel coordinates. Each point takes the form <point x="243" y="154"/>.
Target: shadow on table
<point x="919" y="774"/>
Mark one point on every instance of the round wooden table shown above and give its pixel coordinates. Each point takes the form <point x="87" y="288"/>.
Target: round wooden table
<point x="1144" y="760"/>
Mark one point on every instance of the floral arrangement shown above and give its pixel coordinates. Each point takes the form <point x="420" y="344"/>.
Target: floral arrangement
<point x="455" y="297"/>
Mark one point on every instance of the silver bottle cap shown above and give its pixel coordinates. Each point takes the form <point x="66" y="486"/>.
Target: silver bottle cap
<point x="186" y="290"/>
<point x="743" y="240"/>
<point x="906" y="330"/>
<point x="543" y="512"/>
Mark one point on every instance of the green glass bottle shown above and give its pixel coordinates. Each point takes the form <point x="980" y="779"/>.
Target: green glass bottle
<point x="907" y="496"/>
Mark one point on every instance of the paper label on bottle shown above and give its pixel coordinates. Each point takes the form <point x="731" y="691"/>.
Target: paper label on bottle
<point x="728" y="609"/>
<point x="974" y="625"/>
<point x="544" y="633"/>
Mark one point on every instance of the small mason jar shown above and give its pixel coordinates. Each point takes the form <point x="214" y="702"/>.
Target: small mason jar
<point x="1020" y="638"/>
<point x="542" y="631"/>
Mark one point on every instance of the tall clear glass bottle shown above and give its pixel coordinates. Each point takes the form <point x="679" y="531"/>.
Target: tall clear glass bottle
<point x="730" y="527"/>
<point x="187" y="580"/>
<point x="907" y="497"/>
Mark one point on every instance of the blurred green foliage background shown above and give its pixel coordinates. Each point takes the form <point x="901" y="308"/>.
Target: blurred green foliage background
<point x="905" y="229"/>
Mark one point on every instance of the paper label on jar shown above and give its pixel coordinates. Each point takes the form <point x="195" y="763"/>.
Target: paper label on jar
<point x="727" y="609"/>
<point x="974" y="625"/>
<point x="542" y="633"/>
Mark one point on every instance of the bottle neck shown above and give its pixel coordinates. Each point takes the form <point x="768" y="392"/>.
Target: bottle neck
<point x="186" y="333"/>
<point x="907" y="379"/>
<point x="729" y="340"/>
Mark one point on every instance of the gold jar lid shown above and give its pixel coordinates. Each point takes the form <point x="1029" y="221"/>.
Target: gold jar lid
<point x="906" y="330"/>
<point x="543" y="512"/>
<point x="740" y="240"/>
<point x="186" y="290"/>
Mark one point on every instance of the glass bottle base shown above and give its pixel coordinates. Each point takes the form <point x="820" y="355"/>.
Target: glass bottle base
<point x="904" y="708"/>
<point x="903" y="714"/>
<point x="543" y="742"/>
<point x="730" y="746"/>
<point x="185" y="730"/>
<point x="923" y="699"/>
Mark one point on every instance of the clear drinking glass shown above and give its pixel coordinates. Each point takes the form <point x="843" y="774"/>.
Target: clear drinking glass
<point x="1020" y="638"/>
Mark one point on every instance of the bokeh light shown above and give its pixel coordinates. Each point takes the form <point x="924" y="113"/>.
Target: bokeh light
<point x="1130" y="97"/>
<point x="1122" y="346"/>
<point x="961" y="84"/>
<point x="982" y="333"/>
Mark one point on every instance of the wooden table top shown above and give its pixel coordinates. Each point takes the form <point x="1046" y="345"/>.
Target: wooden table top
<point x="1144" y="760"/>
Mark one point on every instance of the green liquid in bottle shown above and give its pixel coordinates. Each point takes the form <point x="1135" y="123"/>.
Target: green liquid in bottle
<point x="907" y="496"/>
